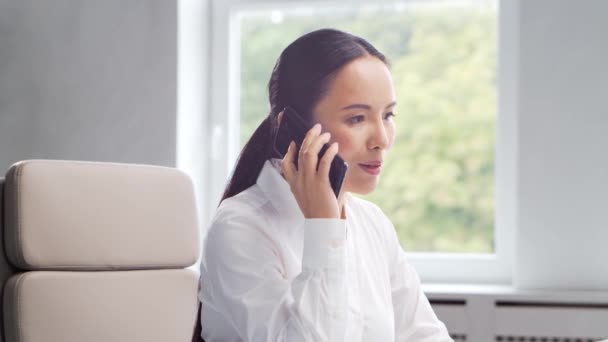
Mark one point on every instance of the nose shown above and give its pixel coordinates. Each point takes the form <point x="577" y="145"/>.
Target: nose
<point x="378" y="136"/>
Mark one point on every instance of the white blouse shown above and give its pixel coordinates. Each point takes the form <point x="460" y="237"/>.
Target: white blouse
<point x="269" y="274"/>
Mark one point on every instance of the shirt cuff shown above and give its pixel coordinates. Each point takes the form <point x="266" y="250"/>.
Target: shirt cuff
<point x="324" y="243"/>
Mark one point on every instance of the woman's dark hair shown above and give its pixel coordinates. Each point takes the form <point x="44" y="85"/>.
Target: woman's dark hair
<point x="300" y="78"/>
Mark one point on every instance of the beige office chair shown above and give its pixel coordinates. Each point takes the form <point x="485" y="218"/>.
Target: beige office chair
<point x="98" y="252"/>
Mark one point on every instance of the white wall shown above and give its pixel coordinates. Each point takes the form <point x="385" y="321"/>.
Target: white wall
<point x="562" y="239"/>
<point x="88" y="80"/>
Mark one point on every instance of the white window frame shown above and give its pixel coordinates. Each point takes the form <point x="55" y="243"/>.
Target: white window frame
<point x="223" y="134"/>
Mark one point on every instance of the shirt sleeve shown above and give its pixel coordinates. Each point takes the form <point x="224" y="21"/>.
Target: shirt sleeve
<point x="415" y="319"/>
<point x="250" y="287"/>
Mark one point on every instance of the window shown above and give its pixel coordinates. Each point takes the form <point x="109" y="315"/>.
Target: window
<point x="438" y="186"/>
<point x="438" y="183"/>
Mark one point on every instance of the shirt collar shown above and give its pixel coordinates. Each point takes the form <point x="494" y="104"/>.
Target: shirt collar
<point x="277" y="190"/>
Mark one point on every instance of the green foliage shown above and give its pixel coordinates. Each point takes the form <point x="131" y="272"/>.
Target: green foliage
<point x="437" y="186"/>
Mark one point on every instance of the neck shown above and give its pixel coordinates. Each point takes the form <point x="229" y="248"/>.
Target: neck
<point x="341" y="200"/>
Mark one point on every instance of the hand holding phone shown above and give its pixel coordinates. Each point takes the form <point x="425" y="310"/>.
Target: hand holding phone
<point x="294" y="128"/>
<point x="309" y="182"/>
<point x="315" y="174"/>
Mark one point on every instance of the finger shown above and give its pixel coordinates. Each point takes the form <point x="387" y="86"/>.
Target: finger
<point x="310" y="136"/>
<point x="287" y="165"/>
<point x="307" y="159"/>
<point x="317" y="144"/>
<point x="325" y="162"/>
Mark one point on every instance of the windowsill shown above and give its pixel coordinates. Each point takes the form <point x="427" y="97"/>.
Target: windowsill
<point x="510" y="293"/>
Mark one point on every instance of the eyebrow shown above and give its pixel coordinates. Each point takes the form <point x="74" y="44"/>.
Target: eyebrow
<point x="364" y="106"/>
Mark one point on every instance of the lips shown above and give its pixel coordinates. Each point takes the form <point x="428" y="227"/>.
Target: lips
<point x="372" y="167"/>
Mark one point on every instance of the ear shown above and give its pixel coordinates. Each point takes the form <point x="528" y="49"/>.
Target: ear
<point x="280" y="116"/>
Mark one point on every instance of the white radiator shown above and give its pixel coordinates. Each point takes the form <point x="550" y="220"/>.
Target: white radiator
<point x="495" y="313"/>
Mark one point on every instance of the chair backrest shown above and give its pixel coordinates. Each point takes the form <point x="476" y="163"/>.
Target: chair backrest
<point x="6" y="269"/>
<point x="101" y="252"/>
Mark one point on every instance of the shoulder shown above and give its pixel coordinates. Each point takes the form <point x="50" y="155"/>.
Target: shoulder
<point x="239" y="238"/>
<point x="248" y="204"/>
<point x="241" y="217"/>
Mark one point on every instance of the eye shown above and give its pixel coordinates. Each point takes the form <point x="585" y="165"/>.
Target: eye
<point x="355" y="119"/>
<point x="389" y="115"/>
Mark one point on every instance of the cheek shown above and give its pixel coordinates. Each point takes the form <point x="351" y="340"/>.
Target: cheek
<point x="346" y="144"/>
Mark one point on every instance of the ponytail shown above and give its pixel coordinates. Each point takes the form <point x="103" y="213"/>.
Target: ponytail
<point x="252" y="158"/>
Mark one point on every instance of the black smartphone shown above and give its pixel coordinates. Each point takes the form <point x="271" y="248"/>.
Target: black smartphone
<point x="294" y="128"/>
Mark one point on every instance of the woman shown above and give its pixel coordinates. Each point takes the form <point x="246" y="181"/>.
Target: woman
<point x="284" y="258"/>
